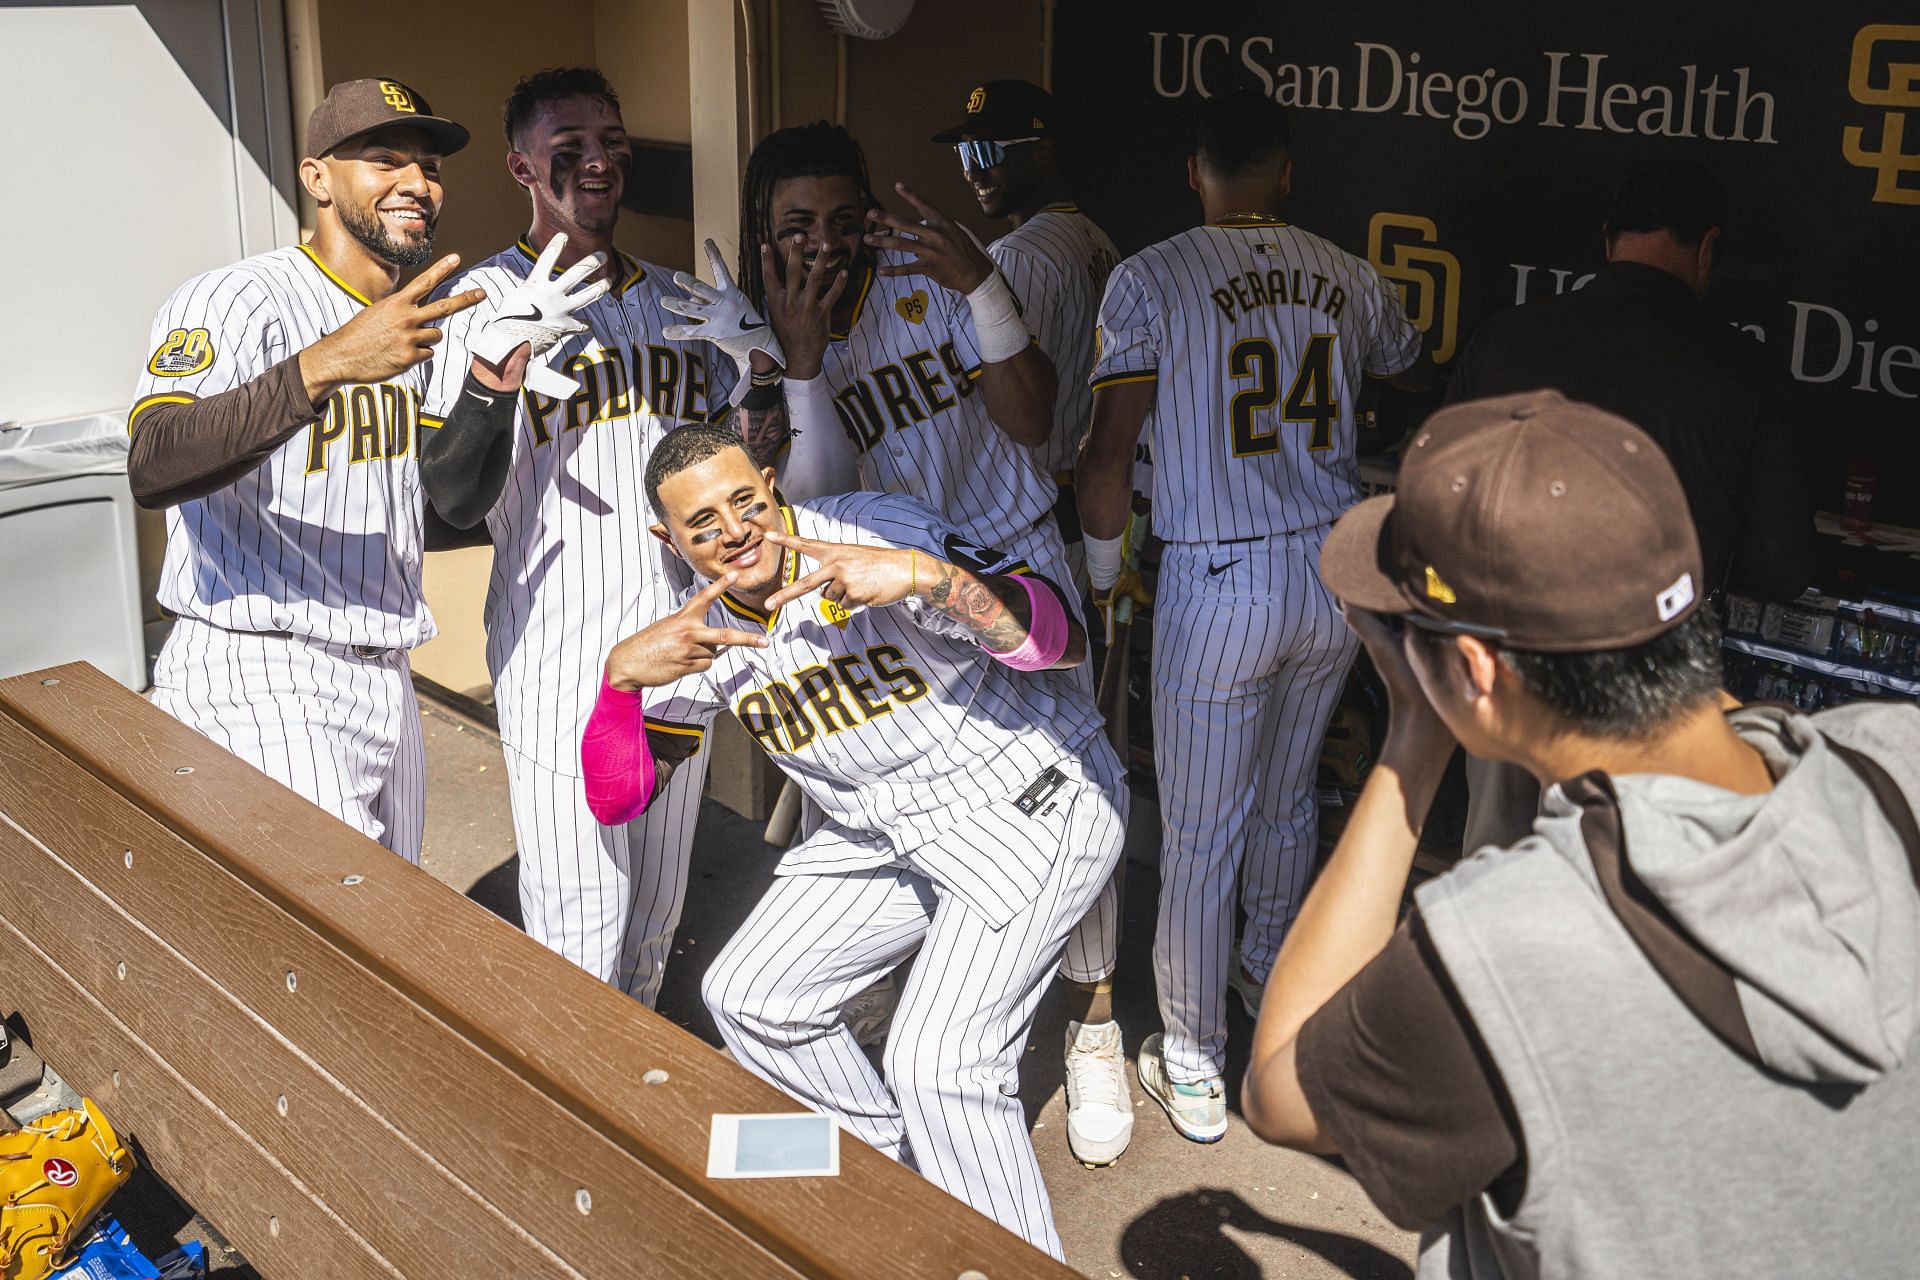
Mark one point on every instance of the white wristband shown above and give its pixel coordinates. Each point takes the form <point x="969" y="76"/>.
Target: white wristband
<point x="997" y="324"/>
<point x="1103" y="561"/>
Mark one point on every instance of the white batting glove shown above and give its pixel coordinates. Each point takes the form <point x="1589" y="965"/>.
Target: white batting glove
<point x="539" y="311"/>
<point x="725" y="314"/>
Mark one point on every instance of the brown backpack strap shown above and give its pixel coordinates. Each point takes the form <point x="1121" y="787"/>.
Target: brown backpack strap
<point x="1703" y="984"/>
<point x="1886" y="792"/>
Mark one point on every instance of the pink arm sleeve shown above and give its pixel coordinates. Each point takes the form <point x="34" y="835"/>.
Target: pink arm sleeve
<point x="615" y="759"/>
<point x="1046" y="634"/>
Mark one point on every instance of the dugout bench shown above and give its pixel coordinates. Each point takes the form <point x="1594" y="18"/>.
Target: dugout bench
<point x="351" y="1070"/>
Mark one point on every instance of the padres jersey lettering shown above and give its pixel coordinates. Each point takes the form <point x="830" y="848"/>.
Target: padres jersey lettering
<point x="574" y="567"/>
<point x="1257" y="335"/>
<point x="323" y="539"/>
<point x="892" y="719"/>
<point x="657" y="380"/>
<point x="1058" y="262"/>
<point x="903" y="381"/>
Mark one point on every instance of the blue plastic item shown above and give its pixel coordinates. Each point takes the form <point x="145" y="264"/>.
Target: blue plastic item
<point x="108" y="1253"/>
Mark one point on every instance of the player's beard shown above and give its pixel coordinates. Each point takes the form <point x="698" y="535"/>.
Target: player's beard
<point x="367" y="228"/>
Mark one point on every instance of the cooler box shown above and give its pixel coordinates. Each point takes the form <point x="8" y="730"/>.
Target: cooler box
<point x="70" y="576"/>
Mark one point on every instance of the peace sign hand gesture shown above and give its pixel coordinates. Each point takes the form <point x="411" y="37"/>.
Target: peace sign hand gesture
<point x="852" y="575"/>
<point x="677" y="645"/>
<point x="942" y="249"/>
<point x="387" y="337"/>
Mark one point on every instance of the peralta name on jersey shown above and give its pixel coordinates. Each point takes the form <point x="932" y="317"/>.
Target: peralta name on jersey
<point x="1298" y="287"/>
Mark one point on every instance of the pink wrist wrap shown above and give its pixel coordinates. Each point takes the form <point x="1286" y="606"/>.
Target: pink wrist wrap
<point x="1046" y="635"/>
<point x="615" y="758"/>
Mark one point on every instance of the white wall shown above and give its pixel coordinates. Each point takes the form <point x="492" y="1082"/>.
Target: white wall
<point x="124" y="182"/>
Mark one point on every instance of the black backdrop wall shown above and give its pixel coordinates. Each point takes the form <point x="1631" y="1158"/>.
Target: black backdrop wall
<point x="1469" y="150"/>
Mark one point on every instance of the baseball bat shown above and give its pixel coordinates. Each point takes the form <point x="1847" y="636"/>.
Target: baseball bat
<point x="1111" y="695"/>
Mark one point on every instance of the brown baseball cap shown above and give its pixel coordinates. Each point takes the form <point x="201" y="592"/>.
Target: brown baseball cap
<point x="354" y="107"/>
<point x="1529" y="519"/>
<point x="1001" y="109"/>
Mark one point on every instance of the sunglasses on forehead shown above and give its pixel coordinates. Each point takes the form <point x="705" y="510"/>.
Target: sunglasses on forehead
<point x="982" y="154"/>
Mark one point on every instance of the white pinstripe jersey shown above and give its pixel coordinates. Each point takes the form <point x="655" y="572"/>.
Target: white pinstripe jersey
<point x="1057" y="263"/>
<point x="323" y="539"/>
<point x="1257" y="335"/>
<point x="893" y="720"/>
<point x="574" y="567"/>
<point x="903" y="379"/>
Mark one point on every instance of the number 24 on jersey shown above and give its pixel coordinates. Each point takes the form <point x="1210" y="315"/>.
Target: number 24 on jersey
<point x="1310" y="398"/>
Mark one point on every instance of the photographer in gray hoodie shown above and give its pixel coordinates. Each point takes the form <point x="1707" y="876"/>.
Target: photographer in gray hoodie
<point x="1671" y="1032"/>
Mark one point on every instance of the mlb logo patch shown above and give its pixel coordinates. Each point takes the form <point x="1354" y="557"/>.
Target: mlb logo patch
<point x="1672" y="602"/>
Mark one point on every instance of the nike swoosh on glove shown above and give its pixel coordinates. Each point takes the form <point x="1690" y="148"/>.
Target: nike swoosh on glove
<point x="539" y="312"/>
<point x="725" y="314"/>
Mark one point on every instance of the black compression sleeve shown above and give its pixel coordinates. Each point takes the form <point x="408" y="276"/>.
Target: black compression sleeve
<point x="463" y="465"/>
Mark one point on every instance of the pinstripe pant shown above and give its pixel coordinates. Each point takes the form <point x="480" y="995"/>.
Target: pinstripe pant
<point x="950" y="1103"/>
<point x="1247" y="665"/>
<point x="606" y="898"/>
<point x="340" y="729"/>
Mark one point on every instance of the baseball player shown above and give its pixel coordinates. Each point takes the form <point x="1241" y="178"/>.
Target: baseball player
<point x="1239" y="346"/>
<point x="555" y="472"/>
<point x="1057" y="261"/>
<point x="1055" y="258"/>
<point x="278" y="422"/>
<point x="922" y="354"/>
<point x="918" y="693"/>
<point x="907" y="365"/>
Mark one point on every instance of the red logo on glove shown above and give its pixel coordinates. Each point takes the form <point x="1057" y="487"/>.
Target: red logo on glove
<point x="59" y="1172"/>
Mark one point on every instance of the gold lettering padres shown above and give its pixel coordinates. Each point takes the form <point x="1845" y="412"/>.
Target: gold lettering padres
<point x="378" y="422"/>
<point x="397" y="96"/>
<point x="1428" y="276"/>
<point x="1900" y="94"/>
<point x="841" y="693"/>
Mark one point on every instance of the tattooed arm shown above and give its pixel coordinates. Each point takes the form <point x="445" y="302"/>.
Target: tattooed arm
<point x="996" y="608"/>
<point x="765" y="431"/>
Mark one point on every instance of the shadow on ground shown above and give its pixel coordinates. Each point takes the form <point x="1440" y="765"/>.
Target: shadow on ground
<point x="1187" y="1236"/>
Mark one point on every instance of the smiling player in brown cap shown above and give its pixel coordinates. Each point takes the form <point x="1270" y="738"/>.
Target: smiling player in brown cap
<point x="1626" y="1045"/>
<point x="278" y="424"/>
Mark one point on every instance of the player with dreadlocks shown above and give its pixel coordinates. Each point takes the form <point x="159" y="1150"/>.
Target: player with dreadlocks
<point x="902" y="332"/>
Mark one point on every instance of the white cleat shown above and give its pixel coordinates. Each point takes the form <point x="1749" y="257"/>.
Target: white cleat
<point x="1198" y="1110"/>
<point x="1099" y="1110"/>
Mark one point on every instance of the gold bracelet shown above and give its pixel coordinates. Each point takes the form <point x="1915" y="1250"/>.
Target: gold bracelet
<point x="913" y="573"/>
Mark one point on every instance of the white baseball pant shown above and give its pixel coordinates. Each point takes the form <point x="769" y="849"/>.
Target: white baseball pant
<point x="606" y="898"/>
<point x="337" y="724"/>
<point x="1249" y="656"/>
<point x="1093" y="948"/>
<point x="949" y="1105"/>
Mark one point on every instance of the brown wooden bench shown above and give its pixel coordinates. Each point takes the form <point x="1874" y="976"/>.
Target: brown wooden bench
<point x="351" y="1070"/>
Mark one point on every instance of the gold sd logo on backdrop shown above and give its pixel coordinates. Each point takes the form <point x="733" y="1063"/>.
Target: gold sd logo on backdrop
<point x="1405" y="249"/>
<point x="1900" y="94"/>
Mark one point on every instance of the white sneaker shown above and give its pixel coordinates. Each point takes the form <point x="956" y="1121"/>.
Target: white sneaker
<point x="869" y="1015"/>
<point x="1198" y="1110"/>
<point x="1099" y="1109"/>
<point x="1245" y="986"/>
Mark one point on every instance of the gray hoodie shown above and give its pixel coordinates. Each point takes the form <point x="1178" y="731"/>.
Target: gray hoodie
<point x="1704" y="1007"/>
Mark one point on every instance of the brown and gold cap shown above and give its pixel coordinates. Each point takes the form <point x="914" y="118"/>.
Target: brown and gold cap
<point x="1531" y="520"/>
<point x="354" y="107"/>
